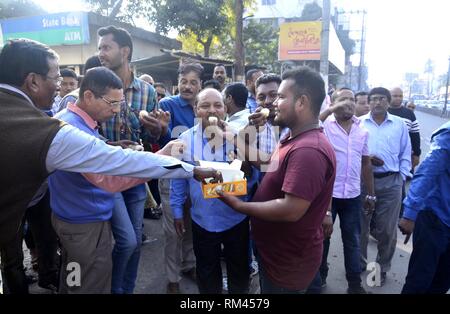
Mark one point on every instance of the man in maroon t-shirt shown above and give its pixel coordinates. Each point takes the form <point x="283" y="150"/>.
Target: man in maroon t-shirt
<point x="290" y="204"/>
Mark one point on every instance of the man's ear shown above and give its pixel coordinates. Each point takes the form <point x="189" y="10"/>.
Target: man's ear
<point x="31" y="83"/>
<point x="88" y="96"/>
<point x="126" y="51"/>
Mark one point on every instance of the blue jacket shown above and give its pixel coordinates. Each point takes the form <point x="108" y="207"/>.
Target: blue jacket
<point x="430" y="187"/>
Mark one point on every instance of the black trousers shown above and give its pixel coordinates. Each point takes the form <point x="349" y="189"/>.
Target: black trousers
<point x="46" y="243"/>
<point x="207" y="249"/>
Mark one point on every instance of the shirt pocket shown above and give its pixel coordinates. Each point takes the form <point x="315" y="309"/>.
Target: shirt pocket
<point x="393" y="143"/>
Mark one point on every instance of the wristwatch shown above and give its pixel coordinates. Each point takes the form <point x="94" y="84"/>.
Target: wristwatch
<point x="371" y="198"/>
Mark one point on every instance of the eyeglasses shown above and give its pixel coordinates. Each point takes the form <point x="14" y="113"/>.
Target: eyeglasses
<point x="113" y="103"/>
<point x="58" y="79"/>
<point x="378" y="99"/>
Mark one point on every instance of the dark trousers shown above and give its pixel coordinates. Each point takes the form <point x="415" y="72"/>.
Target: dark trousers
<point x="46" y="243"/>
<point x="45" y="240"/>
<point x="429" y="265"/>
<point x="207" y="249"/>
<point x="13" y="274"/>
<point x="349" y="211"/>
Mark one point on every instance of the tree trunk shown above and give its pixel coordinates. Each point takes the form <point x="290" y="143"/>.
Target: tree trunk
<point x="206" y="45"/>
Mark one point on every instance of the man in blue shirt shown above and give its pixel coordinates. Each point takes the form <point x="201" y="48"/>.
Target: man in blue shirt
<point x="389" y="142"/>
<point x="250" y="78"/>
<point x="83" y="204"/>
<point x="178" y="250"/>
<point x="427" y="213"/>
<point x="213" y="223"/>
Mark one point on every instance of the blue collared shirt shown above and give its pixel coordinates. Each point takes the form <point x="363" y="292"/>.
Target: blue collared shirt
<point x="430" y="187"/>
<point x="181" y="117"/>
<point x="390" y="142"/>
<point x="251" y="103"/>
<point x="211" y="214"/>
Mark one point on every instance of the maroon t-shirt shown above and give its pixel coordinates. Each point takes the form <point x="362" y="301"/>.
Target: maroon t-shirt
<point x="291" y="252"/>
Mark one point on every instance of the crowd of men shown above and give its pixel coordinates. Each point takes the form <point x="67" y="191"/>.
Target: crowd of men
<point x="79" y="194"/>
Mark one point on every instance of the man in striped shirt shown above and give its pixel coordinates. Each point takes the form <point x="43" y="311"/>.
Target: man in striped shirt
<point x="397" y="109"/>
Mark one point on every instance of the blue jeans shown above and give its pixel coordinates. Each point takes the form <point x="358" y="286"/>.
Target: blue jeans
<point x="429" y="265"/>
<point x="126" y="223"/>
<point x="349" y="211"/>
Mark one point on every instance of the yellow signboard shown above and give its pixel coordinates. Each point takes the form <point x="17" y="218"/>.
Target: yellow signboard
<point x="300" y="41"/>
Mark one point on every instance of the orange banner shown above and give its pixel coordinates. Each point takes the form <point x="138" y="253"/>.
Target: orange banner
<point x="300" y="41"/>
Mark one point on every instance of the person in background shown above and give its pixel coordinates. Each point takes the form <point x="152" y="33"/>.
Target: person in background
<point x="250" y="79"/>
<point x="362" y="104"/>
<point x="220" y="75"/>
<point x="147" y="78"/>
<point x="69" y="83"/>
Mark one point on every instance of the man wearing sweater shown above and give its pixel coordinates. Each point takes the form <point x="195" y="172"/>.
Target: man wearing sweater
<point x="37" y="145"/>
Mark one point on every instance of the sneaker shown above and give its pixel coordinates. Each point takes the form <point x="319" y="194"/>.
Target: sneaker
<point x="356" y="290"/>
<point x="173" y="288"/>
<point x="254" y="270"/>
<point x="324" y="283"/>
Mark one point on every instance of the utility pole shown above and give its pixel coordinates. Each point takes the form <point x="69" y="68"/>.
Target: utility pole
<point x="239" y="54"/>
<point x="362" y="52"/>
<point x="444" y="110"/>
<point x="325" y="40"/>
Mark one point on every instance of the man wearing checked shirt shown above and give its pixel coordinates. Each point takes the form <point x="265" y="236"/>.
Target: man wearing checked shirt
<point x="115" y="51"/>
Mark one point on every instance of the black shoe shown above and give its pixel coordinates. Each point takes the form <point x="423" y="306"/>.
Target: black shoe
<point x="150" y="213"/>
<point x="356" y="290"/>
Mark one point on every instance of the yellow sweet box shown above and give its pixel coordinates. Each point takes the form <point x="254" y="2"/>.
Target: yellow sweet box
<point x="236" y="188"/>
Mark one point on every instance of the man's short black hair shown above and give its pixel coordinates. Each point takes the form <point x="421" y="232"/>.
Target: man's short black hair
<point x="268" y="78"/>
<point x="20" y="57"/>
<point x="99" y="81"/>
<point x="211" y="84"/>
<point x="160" y="85"/>
<point x="249" y="74"/>
<point x="307" y="82"/>
<point x="238" y="92"/>
<point x="334" y="95"/>
<point x="380" y="91"/>
<point x="120" y="35"/>
<point x="68" y="73"/>
<point x="188" y="67"/>
<point x="92" y="62"/>
<point x="361" y="94"/>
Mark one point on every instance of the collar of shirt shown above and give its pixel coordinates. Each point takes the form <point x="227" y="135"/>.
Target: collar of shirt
<point x="238" y="114"/>
<point x="370" y="118"/>
<point x="182" y="101"/>
<point x="83" y="115"/>
<point x="16" y="90"/>
<point x="355" y="120"/>
<point x="135" y="83"/>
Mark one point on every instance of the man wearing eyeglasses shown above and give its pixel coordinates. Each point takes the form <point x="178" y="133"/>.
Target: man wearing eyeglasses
<point x="390" y="147"/>
<point x="36" y="146"/>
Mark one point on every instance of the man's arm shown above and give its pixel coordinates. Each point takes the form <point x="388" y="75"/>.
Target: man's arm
<point x="405" y="153"/>
<point x="435" y="164"/>
<point x="287" y="209"/>
<point x="76" y="151"/>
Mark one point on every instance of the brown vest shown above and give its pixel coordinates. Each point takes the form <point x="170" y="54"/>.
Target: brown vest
<point x="25" y="137"/>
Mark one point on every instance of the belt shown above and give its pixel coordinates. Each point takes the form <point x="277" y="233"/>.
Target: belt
<point x="380" y="175"/>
